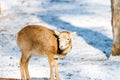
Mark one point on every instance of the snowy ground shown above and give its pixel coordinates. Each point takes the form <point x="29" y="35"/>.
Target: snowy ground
<point x="88" y="59"/>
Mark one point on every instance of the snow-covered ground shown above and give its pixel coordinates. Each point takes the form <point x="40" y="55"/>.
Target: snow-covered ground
<point x="88" y="60"/>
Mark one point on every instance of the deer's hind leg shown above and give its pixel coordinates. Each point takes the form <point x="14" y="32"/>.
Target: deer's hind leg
<point x="24" y="65"/>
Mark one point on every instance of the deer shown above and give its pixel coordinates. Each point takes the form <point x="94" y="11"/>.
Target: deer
<point x="42" y="41"/>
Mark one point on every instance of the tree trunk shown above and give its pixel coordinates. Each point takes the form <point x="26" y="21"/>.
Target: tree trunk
<point x="115" y="7"/>
<point x="0" y="6"/>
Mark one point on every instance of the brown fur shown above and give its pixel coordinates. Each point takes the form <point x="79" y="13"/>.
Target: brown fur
<point x="39" y="40"/>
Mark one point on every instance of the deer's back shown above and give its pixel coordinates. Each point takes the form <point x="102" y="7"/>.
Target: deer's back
<point x="37" y="38"/>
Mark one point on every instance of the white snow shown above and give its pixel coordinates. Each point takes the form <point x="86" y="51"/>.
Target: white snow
<point x="91" y="19"/>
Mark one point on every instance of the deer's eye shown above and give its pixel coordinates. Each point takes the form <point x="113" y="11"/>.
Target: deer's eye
<point x="68" y="39"/>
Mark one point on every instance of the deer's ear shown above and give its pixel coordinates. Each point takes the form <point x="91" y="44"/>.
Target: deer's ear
<point x="72" y="34"/>
<point x="57" y="33"/>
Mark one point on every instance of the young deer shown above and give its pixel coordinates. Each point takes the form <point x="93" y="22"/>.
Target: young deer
<point x="39" y="40"/>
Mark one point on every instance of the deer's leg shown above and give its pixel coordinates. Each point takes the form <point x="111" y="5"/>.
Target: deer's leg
<point x="51" y="63"/>
<point x="26" y="69"/>
<point x="23" y="63"/>
<point x="22" y="70"/>
<point x="56" y="69"/>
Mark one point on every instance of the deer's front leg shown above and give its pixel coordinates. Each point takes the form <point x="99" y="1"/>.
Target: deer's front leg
<point x="51" y="63"/>
<point x="56" y="69"/>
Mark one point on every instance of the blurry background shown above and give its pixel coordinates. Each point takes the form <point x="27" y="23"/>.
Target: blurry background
<point x="91" y="19"/>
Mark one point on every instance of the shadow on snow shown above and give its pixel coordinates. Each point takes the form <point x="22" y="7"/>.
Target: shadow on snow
<point x="93" y="38"/>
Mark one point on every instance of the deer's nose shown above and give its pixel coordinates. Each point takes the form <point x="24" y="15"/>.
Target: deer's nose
<point x="61" y="47"/>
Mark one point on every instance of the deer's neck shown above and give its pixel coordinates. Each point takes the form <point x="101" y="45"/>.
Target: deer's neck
<point x="64" y="52"/>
